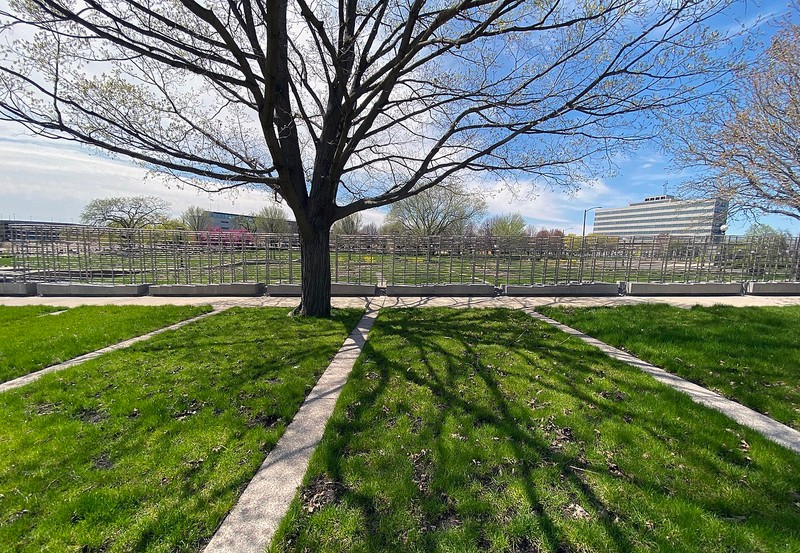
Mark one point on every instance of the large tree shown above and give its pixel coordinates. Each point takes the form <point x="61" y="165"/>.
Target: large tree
<point x="748" y="148"/>
<point x="126" y="212"/>
<point x="443" y="210"/>
<point x="344" y="105"/>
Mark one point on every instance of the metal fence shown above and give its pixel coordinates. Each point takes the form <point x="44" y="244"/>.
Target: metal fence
<point x="124" y="256"/>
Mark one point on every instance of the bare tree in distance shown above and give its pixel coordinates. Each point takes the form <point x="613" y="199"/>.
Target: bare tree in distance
<point x="370" y="229"/>
<point x="196" y="218"/>
<point x="438" y="211"/>
<point x="748" y="148"/>
<point x="350" y="225"/>
<point x="126" y="212"/>
<point x="340" y="106"/>
<point x="271" y="219"/>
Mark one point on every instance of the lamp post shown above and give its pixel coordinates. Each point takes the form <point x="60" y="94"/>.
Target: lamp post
<point x="583" y="238"/>
<point x="585" y="211"/>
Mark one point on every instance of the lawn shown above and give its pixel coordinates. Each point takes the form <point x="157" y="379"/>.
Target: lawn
<point x="146" y="449"/>
<point x="31" y="338"/>
<point x="16" y="313"/>
<point x="749" y="354"/>
<point x="485" y="430"/>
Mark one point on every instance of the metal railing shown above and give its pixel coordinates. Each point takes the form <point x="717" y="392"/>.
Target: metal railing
<point x="131" y="256"/>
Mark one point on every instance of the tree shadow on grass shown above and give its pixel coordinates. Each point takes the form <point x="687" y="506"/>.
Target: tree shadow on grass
<point x="604" y="420"/>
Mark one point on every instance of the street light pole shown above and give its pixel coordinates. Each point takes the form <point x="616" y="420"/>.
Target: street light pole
<point x="585" y="211"/>
<point x="583" y="238"/>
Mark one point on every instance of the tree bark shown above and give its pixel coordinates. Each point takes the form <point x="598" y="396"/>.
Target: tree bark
<point x="315" y="262"/>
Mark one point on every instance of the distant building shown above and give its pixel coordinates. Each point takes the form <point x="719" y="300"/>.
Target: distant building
<point x="229" y="221"/>
<point x="30" y="230"/>
<point x="234" y="221"/>
<point x="659" y="215"/>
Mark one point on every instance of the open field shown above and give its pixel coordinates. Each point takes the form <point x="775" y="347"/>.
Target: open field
<point x="485" y="430"/>
<point x="750" y="355"/>
<point x="146" y="449"/>
<point x="39" y="339"/>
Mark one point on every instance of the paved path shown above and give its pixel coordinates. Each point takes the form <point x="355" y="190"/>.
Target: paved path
<point x="28" y="378"/>
<point x="391" y="301"/>
<point x="769" y="428"/>
<point x="252" y="522"/>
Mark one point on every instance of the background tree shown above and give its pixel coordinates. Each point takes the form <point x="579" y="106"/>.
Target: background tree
<point x="510" y="224"/>
<point x="749" y="147"/>
<point x="342" y="105"/>
<point x="370" y="229"/>
<point x="438" y="211"/>
<point x="271" y="219"/>
<point x="126" y="212"/>
<point x="246" y="222"/>
<point x="350" y="225"/>
<point x="196" y="218"/>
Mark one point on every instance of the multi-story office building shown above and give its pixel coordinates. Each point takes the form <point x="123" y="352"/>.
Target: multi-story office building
<point x="660" y="215"/>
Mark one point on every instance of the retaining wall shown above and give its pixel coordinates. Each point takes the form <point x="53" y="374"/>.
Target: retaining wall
<point x="196" y="290"/>
<point x="49" y="289"/>
<point x="578" y="289"/>
<point x="17" y="288"/>
<point x="458" y="290"/>
<point x="683" y="289"/>
<point x="772" y="288"/>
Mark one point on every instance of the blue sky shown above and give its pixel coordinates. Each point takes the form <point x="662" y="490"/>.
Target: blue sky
<point x="52" y="180"/>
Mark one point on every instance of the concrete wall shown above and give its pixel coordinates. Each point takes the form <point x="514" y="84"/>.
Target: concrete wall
<point x="772" y="288"/>
<point x="17" y="288"/>
<point x="578" y="289"/>
<point x="199" y="290"/>
<point x="338" y="289"/>
<point x="683" y="289"/>
<point x="458" y="290"/>
<point x="91" y="290"/>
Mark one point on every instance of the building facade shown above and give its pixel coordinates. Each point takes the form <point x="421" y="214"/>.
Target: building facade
<point x="661" y="215"/>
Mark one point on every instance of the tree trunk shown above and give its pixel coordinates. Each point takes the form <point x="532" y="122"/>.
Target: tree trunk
<point x="315" y="262"/>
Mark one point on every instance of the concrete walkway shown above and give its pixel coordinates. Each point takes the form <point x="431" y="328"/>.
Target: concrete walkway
<point x="252" y="522"/>
<point x="32" y="377"/>
<point x="769" y="428"/>
<point x="391" y="301"/>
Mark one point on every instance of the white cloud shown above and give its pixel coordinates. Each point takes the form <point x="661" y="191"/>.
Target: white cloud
<point x="43" y="180"/>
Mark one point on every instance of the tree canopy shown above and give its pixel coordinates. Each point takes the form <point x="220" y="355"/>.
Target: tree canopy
<point x="343" y="105"/>
<point x="126" y="212"/>
<point x="508" y="224"/>
<point x="748" y="149"/>
<point x="438" y="211"/>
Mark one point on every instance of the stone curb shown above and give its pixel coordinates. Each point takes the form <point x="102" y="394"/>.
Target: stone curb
<point x="771" y="429"/>
<point x="28" y="378"/>
<point x="251" y="524"/>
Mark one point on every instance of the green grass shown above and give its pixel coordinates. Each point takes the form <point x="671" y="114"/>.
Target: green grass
<point x="10" y="314"/>
<point x="485" y="430"/>
<point x="749" y="354"/>
<point x="6" y="261"/>
<point x="31" y="340"/>
<point x="146" y="449"/>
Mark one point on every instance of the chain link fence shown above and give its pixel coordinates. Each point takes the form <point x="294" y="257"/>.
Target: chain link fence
<point x="42" y="253"/>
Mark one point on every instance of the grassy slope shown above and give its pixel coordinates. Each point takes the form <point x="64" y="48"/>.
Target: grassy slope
<point x="146" y="449"/>
<point x="34" y="342"/>
<point x="484" y="430"/>
<point x="749" y="354"/>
